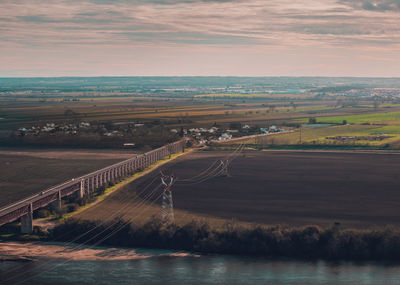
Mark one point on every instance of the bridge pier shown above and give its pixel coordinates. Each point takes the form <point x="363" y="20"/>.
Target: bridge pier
<point x="27" y="221"/>
<point x="112" y="175"/>
<point x="56" y="205"/>
<point x="81" y="192"/>
<point x="92" y="187"/>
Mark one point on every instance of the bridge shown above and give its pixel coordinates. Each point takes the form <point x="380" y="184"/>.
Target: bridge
<point x="83" y="185"/>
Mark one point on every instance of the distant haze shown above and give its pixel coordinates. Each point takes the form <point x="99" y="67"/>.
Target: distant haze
<point x="199" y="37"/>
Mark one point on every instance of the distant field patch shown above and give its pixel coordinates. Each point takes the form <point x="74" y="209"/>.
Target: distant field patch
<point x="357" y="139"/>
<point x="310" y="135"/>
<point x="255" y="96"/>
<point x="392" y="129"/>
<point x="374" y="118"/>
<point x="23" y="175"/>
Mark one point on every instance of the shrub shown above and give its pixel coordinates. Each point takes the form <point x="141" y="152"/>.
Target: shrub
<point x="101" y="190"/>
<point x="312" y="120"/>
<point x="308" y="242"/>
<point x="42" y="213"/>
<point x="85" y="200"/>
<point x="72" y="207"/>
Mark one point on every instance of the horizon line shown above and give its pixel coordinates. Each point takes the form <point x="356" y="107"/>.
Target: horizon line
<point x="193" y="76"/>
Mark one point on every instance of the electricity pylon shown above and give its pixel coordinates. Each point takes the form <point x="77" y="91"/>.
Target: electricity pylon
<point x="224" y="167"/>
<point x="167" y="207"/>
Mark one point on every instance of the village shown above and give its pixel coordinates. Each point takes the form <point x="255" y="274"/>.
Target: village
<point x="201" y="135"/>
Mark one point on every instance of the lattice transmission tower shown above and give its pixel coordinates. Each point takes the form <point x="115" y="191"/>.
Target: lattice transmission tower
<point x="167" y="207"/>
<point x="224" y="167"/>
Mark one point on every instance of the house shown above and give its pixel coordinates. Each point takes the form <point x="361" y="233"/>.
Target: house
<point x="225" y="137"/>
<point x="213" y="130"/>
<point x="48" y="129"/>
<point x="273" y="129"/>
<point x="117" y="133"/>
<point x="84" y="125"/>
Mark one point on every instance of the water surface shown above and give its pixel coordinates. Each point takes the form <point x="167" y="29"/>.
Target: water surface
<point x="162" y="268"/>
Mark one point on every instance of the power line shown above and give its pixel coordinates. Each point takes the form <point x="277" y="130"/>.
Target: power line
<point x="78" y="247"/>
<point x="167" y="203"/>
<point x="138" y="205"/>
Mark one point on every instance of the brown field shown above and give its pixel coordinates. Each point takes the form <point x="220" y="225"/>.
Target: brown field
<point x="26" y="171"/>
<point x="162" y="114"/>
<point x="357" y="189"/>
<point x="28" y="111"/>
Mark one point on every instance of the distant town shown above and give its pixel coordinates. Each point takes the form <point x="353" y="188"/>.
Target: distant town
<point x="200" y="135"/>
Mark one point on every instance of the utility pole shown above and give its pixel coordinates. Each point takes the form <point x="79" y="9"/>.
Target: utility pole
<point x="167" y="207"/>
<point x="300" y="134"/>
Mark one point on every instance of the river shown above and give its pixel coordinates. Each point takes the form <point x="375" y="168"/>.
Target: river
<point x="169" y="267"/>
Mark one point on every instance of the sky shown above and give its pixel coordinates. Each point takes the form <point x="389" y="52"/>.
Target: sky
<point x="199" y="38"/>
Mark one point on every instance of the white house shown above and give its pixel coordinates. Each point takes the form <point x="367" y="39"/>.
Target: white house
<point x="225" y="137"/>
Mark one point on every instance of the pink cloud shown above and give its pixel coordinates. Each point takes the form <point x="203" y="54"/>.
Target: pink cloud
<point x="253" y="37"/>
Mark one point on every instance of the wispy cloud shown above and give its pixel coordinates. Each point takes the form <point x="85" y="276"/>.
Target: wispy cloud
<point x="376" y="5"/>
<point x="264" y="26"/>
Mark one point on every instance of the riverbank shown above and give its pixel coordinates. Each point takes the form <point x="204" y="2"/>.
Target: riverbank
<point x="274" y="242"/>
<point x="32" y="251"/>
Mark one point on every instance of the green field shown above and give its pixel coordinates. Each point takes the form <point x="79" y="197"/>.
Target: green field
<point x="319" y="136"/>
<point x="388" y="118"/>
